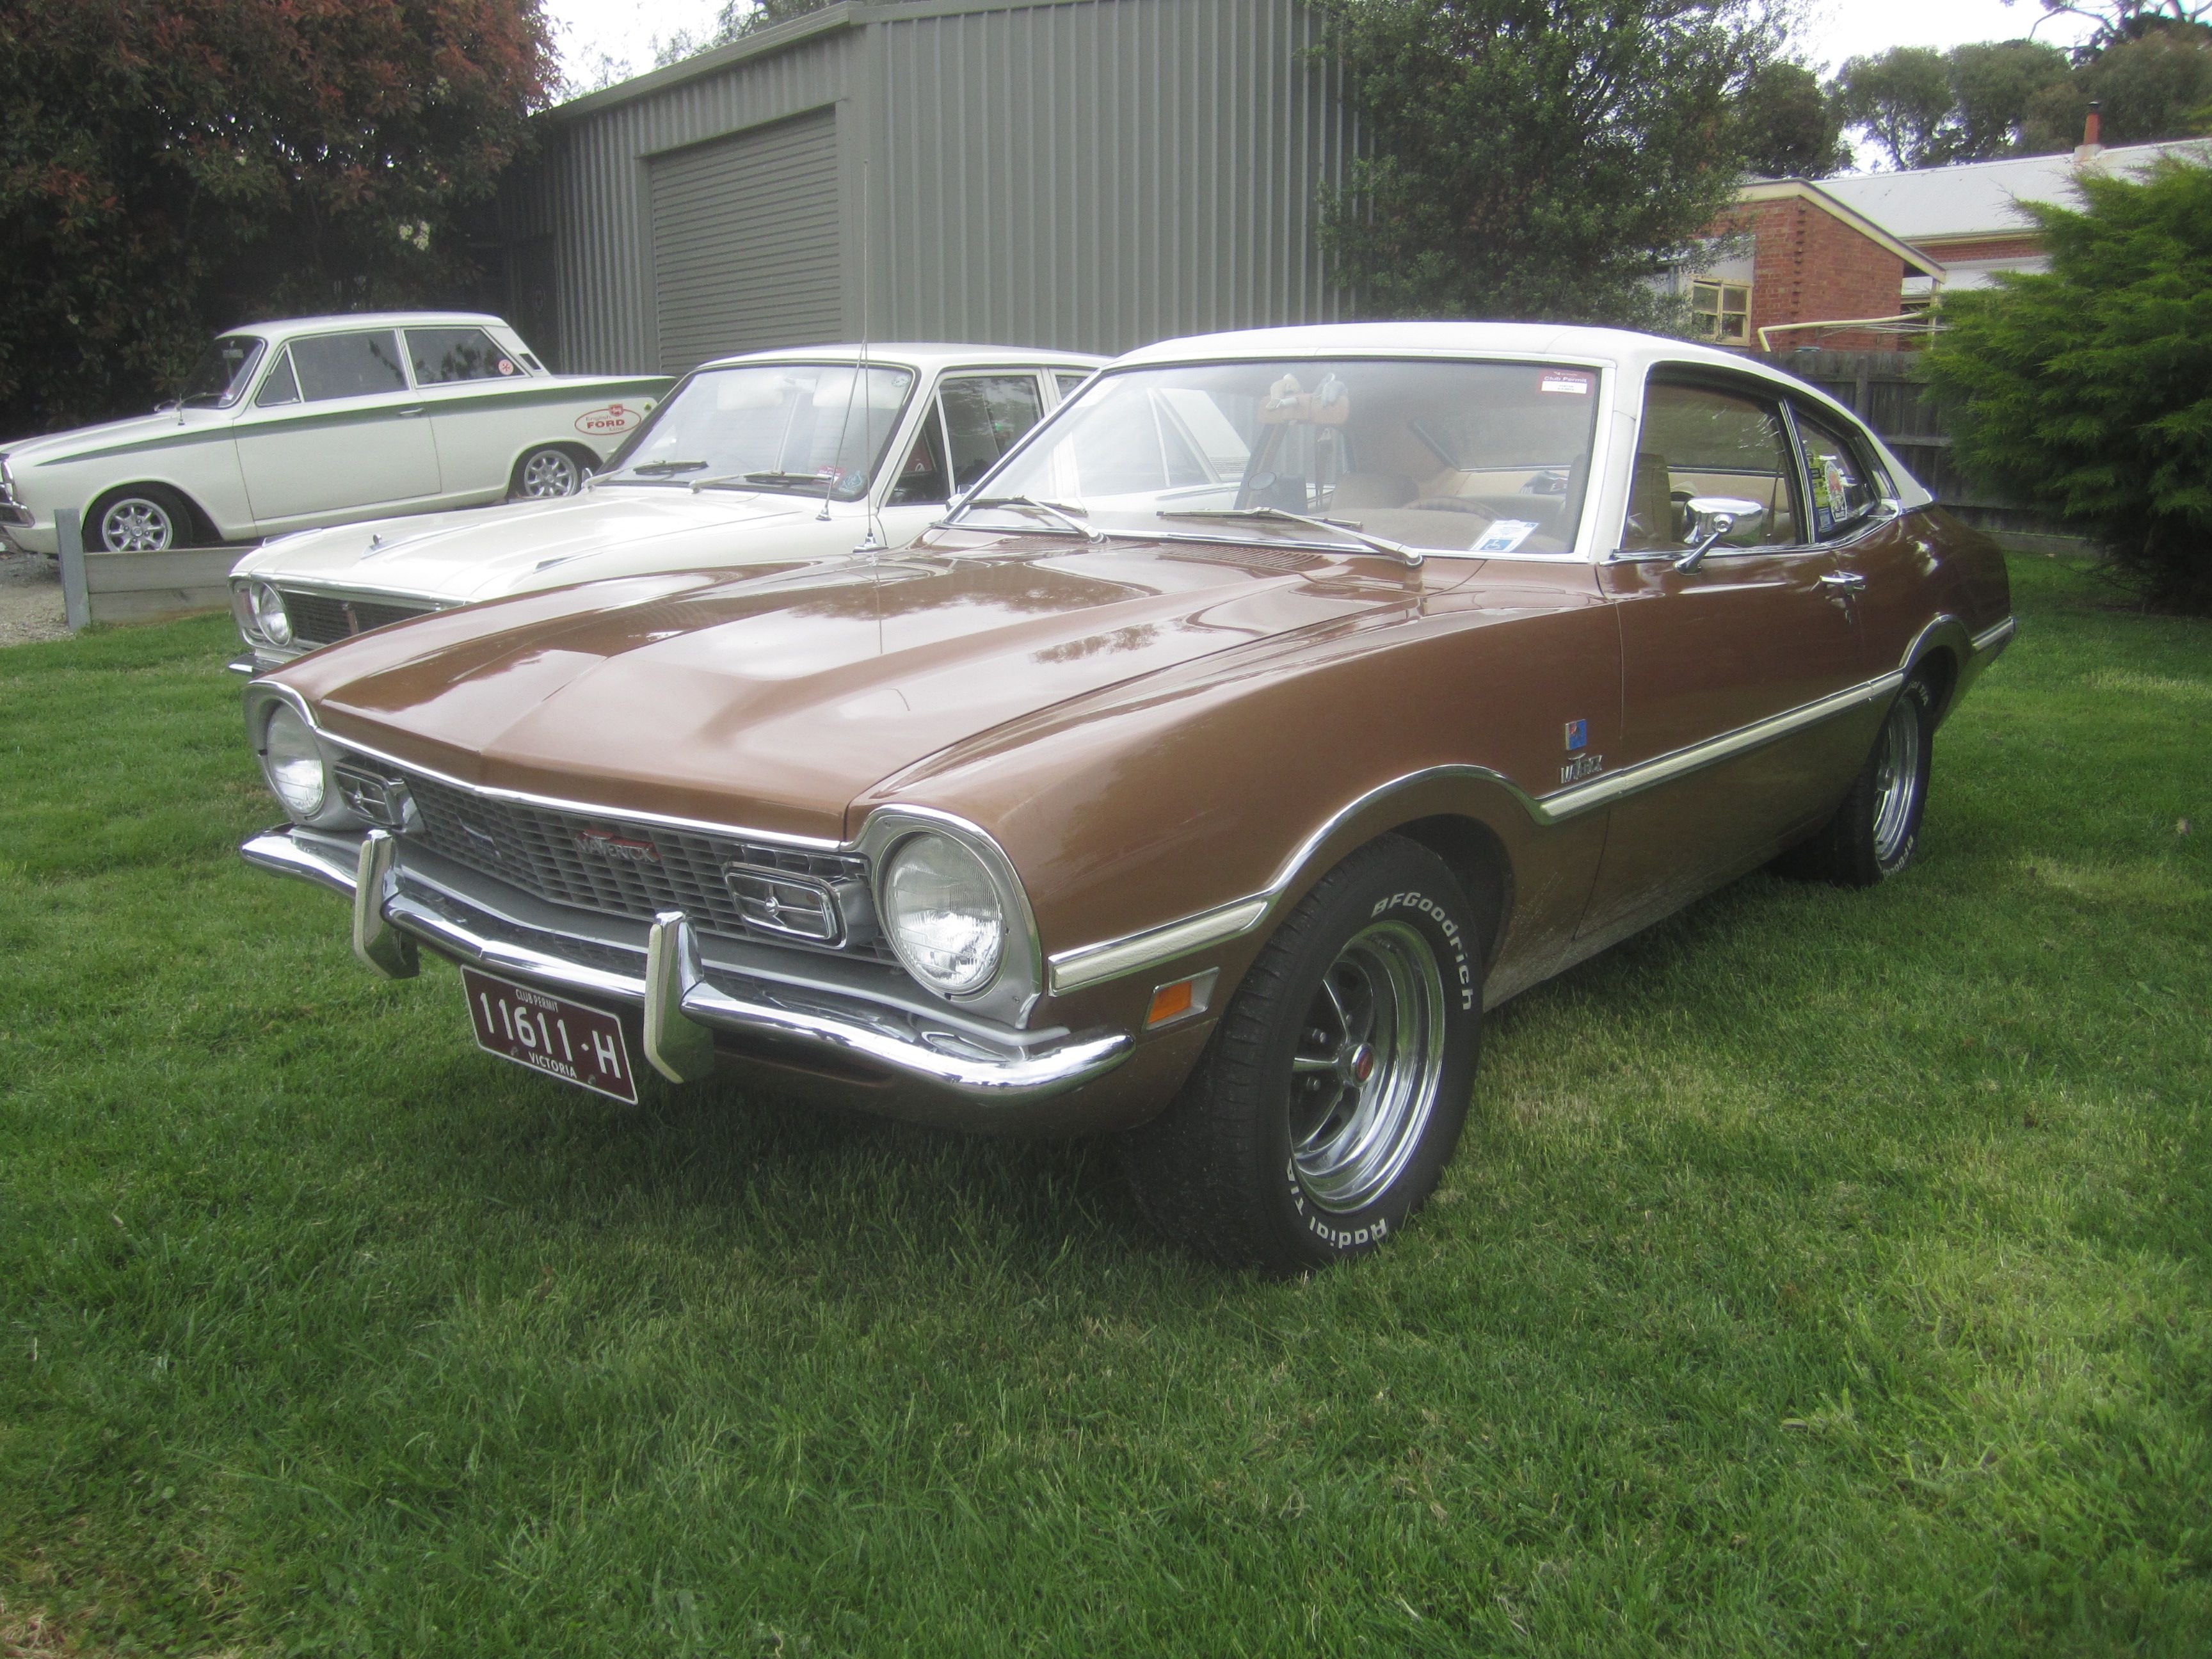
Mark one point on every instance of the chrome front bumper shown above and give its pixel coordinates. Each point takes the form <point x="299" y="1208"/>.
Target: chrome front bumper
<point x="978" y="1078"/>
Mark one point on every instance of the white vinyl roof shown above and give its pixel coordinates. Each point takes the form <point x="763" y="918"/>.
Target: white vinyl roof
<point x="1625" y="348"/>
<point x="1982" y="198"/>
<point x="286" y="325"/>
<point x="924" y="355"/>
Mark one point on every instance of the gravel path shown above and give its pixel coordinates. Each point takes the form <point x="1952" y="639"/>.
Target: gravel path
<point x="30" y="598"/>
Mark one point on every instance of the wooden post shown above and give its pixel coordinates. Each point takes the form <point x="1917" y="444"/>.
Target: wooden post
<point x="76" y="602"/>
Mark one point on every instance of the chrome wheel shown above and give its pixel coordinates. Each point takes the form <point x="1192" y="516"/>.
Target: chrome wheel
<point x="1363" y="1077"/>
<point x="1897" y="779"/>
<point x="548" y="473"/>
<point x="135" y="524"/>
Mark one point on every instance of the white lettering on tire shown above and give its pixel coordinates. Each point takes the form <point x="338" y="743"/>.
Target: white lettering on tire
<point x="1428" y="907"/>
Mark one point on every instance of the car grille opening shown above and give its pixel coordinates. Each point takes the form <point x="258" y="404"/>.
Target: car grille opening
<point x="618" y="866"/>
<point x="324" y="619"/>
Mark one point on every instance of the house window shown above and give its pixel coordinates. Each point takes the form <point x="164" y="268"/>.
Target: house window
<point x="1722" y="311"/>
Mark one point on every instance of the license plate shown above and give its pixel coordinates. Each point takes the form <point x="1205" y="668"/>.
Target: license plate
<point x="550" y="1034"/>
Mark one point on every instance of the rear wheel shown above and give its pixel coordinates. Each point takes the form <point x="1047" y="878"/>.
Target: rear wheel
<point x="547" y="473"/>
<point x="1876" y="831"/>
<point x="1331" y="1095"/>
<point x="141" y="518"/>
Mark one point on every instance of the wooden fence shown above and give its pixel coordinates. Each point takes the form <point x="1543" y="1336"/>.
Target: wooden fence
<point x="1884" y="390"/>
<point x="122" y="587"/>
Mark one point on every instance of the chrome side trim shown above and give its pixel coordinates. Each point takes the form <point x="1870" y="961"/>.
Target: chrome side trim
<point x="1990" y="641"/>
<point x="1094" y="965"/>
<point x="1091" y="964"/>
<point x="1001" y="1071"/>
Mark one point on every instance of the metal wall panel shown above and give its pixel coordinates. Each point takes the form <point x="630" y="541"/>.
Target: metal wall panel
<point x="745" y="242"/>
<point x="1096" y="174"/>
<point x="593" y="187"/>
<point x="1092" y="174"/>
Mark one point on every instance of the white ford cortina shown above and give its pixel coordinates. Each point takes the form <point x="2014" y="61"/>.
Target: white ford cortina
<point x="321" y="421"/>
<point x="779" y="456"/>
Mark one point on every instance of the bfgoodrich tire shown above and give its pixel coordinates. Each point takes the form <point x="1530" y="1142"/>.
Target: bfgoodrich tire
<point x="1329" y="1099"/>
<point x="1875" y="833"/>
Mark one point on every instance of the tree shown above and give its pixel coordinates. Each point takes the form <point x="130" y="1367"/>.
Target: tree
<point x="1787" y="127"/>
<point x="2087" y="389"/>
<point x="169" y="169"/>
<point x="1926" y="108"/>
<point x="1904" y="100"/>
<point x="736" y="20"/>
<point x="2115" y="20"/>
<point x="1535" y="158"/>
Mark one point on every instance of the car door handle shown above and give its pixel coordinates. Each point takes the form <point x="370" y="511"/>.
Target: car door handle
<point x="1844" y="581"/>
<point x="419" y="409"/>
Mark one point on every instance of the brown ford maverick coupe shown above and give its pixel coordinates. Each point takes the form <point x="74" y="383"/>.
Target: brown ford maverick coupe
<point x="1283" y="702"/>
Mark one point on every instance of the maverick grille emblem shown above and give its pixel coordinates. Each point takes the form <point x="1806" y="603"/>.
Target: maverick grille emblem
<point x="611" y="848"/>
<point x="483" y="843"/>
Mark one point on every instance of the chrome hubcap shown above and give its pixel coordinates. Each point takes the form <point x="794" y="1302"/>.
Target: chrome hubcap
<point x="1363" y="1077"/>
<point x="1896" y="779"/>
<point x="135" y="526"/>
<point x="550" y="472"/>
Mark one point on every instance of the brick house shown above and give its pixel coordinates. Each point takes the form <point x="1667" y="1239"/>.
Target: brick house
<point x="1788" y="255"/>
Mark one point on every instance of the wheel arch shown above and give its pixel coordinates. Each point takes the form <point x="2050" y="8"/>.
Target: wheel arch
<point x="583" y="453"/>
<point x="1938" y="654"/>
<point x="205" y="530"/>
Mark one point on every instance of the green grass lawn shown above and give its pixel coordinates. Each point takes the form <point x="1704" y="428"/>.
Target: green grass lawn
<point x="1820" y="1272"/>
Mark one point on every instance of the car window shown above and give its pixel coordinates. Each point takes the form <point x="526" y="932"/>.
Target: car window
<point x="442" y="356"/>
<point x="1845" y="490"/>
<point x="224" y="370"/>
<point x="921" y="480"/>
<point x="1452" y="455"/>
<point x="817" y="429"/>
<point x="984" y="414"/>
<point x="1069" y="384"/>
<point x="1700" y="441"/>
<point x="283" y="385"/>
<point x="348" y="366"/>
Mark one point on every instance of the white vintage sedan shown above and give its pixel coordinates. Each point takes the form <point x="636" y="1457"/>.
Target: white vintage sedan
<point x="320" y="421"/>
<point x="778" y="456"/>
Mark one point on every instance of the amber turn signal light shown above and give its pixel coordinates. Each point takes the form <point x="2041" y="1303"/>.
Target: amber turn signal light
<point x="1185" y="996"/>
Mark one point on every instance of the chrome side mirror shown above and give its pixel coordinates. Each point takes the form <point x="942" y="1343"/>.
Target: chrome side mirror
<point x="1714" y="517"/>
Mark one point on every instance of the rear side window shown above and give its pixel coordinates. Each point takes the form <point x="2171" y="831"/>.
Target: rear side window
<point x="443" y="356"/>
<point x="348" y="366"/>
<point x="984" y="416"/>
<point x="1846" y="490"/>
<point x="1069" y="384"/>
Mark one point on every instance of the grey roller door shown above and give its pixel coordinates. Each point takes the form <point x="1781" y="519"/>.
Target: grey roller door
<point x="744" y="242"/>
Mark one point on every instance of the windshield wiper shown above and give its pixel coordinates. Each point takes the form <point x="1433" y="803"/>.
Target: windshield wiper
<point x="1411" y="556"/>
<point x="662" y="468"/>
<point x="1069" y="518"/>
<point x="806" y="481"/>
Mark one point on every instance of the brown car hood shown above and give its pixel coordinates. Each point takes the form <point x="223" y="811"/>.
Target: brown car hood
<point x="773" y="700"/>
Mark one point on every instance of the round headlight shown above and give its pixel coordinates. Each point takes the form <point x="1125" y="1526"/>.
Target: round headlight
<point x="269" y="614"/>
<point x="293" y="762"/>
<point x="942" y="912"/>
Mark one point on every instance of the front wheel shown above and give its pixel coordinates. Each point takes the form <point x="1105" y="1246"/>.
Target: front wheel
<point x="1331" y="1095"/>
<point x="146" y="519"/>
<point x="1875" y="832"/>
<point x="548" y="473"/>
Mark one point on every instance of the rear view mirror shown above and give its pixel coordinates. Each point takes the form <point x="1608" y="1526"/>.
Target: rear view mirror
<point x="1712" y="517"/>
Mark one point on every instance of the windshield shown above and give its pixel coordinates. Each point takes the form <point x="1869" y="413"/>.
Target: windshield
<point x="1448" y="457"/>
<point x="222" y="371"/>
<point x="807" y="428"/>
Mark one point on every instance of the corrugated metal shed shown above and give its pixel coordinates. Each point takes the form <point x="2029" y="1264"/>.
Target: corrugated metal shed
<point x="1090" y="174"/>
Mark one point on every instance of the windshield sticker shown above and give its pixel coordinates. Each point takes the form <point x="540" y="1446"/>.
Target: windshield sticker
<point x="610" y="421"/>
<point x="1567" y="380"/>
<point x="1503" y="535"/>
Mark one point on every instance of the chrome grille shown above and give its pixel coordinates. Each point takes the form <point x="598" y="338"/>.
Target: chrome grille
<point x="324" y="619"/>
<point x="617" y="867"/>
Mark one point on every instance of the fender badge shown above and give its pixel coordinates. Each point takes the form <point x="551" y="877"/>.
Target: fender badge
<point x="1578" y="735"/>
<point x="1583" y="766"/>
